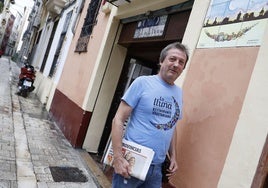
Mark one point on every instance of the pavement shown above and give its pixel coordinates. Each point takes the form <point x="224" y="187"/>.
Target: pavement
<point x="33" y="151"/>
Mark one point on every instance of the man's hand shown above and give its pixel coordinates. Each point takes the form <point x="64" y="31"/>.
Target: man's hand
<point x="173" y="167"/>
<point x="122" y="167"/>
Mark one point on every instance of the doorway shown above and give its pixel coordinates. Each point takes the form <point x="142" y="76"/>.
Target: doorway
<point x="141" y="59"/>
<point x="132" y="69"/>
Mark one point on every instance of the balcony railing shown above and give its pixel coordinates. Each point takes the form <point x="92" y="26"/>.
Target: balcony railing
<point x="55" y="6"/>
<point x="37" y="21"/>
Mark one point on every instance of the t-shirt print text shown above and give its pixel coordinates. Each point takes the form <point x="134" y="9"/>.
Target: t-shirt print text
<point x="164" y="109"/>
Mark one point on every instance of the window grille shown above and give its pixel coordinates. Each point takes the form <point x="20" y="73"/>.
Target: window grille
<point x="90" y="21"/>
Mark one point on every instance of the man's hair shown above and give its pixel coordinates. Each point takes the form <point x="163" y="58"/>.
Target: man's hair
<point x="175" y="45"/>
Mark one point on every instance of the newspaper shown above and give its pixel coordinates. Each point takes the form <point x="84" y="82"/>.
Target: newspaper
<point x="138" y="156"/>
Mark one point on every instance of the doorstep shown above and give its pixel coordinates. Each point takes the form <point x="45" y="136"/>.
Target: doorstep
<point x="104" y="178"/>
<point x="95" y="169"/>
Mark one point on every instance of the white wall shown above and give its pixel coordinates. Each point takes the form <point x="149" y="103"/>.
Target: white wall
<point x="46" y="86"/>
<point x="40" y="51"/>
<point x="192" y="32"/>
<point x="251" y="130"/>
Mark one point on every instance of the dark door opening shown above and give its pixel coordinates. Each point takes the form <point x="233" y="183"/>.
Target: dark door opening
<point x="142" y="59"/>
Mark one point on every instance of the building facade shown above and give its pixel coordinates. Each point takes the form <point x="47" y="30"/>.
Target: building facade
<point x="6" y="21"/>
<point x="222" y="138"/>
<point x="14" y="35"/>
<point x="57" y="24"/>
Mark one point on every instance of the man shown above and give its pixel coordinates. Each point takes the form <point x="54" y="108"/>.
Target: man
<point x="154" y="105"/>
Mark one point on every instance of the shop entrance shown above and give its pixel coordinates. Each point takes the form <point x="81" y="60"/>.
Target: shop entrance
<point x="143" y="52"/>
<point x="144" y="36"/>
<point x="141" y="59"/>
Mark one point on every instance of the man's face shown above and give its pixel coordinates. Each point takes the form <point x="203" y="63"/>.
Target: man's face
<point x="173" y="65"/>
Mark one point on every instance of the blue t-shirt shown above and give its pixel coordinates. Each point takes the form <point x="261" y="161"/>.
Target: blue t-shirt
<point x="157" y="106"/>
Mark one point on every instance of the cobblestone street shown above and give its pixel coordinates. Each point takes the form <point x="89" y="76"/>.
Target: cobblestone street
<point x="33" y="151"/>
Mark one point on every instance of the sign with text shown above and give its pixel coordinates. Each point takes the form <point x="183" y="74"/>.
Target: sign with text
<point x="151" y="27"/>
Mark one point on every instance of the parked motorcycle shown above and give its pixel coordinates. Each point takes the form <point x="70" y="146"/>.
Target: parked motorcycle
<point x="26" y="80"/>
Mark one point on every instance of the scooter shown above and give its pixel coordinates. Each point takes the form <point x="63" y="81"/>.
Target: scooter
<point x="26" y="80"/>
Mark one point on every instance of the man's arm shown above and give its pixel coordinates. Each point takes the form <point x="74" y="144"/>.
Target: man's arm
<point x="121" y="166"/>
<point x="172" y="154"/>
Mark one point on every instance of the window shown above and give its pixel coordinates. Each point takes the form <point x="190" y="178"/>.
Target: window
<point x="90" y="21"/>
<point x="60" y="44"/>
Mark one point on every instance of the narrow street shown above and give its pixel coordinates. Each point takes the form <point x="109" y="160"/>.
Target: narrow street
<point x="33" y="151"/>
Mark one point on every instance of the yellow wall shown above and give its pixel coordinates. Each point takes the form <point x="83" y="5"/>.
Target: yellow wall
<point x="78" y="68"/>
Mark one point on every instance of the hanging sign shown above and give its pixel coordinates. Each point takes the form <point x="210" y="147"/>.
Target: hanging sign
<point x="151" y="27"/>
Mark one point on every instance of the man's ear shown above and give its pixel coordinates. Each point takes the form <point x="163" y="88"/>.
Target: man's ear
<point x="159" y="65"/>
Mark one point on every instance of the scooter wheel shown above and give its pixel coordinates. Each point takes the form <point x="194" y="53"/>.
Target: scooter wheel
<point x="24" y="93"/>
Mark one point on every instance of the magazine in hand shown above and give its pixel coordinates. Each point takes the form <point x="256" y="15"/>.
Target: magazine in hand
<point x="140" y="157"/>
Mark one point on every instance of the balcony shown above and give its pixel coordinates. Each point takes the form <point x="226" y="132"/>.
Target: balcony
<point x="26" y="35"/>
<point x="55" y="6"/>
<point x="37" y="21"/>
<point x="119" y="2"/>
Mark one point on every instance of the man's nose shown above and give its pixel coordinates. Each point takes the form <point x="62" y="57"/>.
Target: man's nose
<point x="176" y="64"/>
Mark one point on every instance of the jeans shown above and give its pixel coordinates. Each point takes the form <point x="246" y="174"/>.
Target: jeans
<point x="153" y="179"/>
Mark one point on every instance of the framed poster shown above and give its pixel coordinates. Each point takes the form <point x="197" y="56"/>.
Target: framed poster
<point x="234" y="23"/>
